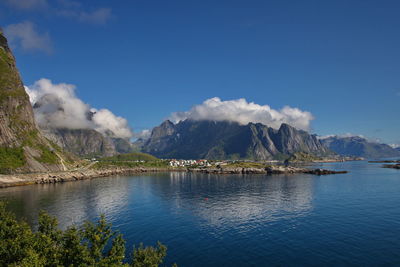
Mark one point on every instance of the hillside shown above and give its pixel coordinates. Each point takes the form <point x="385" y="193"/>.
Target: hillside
<point x="22" y="147"/>
<point x="229" y="140"/>
<point x="137" y="156"/>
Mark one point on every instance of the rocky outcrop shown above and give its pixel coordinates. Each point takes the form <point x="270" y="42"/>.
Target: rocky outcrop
<point x="229" y="140"/>
<point x="392" y="166"/>
<point x="90" y="173"/>
<point x="22" y="146"/>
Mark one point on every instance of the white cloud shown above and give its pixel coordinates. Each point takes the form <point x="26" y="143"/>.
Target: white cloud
<point x="63" y="8"/>
<point x="26" y="36"/>
<point x="394" y="145"/>
<point x="26" y="4"/>
<point x="106" y="121"/>
<point x="98" y="16"/>
<point x="243" y="112"/>
<point x="144" y="134"/>
<point x="57" y="106"/>
<point x="346" y="135"/>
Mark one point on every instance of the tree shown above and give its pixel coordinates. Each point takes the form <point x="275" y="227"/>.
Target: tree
<point x="83" y="246"/>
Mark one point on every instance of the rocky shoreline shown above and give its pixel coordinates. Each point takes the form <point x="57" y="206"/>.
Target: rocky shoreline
<point x="68" y="176"/>
<point x="268" y="170"/>
<point x="392" y="166"/>
<point x="384" y="161"/>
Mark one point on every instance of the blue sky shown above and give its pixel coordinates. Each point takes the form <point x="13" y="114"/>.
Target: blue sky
<point x="143" y="60"/>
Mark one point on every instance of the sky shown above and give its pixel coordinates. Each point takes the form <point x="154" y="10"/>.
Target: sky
<point x="334" y="65"/>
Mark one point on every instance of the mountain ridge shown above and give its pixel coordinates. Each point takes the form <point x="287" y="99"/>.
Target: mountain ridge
<point x="229" y="140"/>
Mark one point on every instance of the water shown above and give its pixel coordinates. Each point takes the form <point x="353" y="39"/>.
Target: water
<point x="239" y="220"/>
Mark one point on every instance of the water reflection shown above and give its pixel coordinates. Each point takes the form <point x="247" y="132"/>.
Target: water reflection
<point x="72" y="202"/>
<point x="225" y="201"/>
<point x="219" y="201"/>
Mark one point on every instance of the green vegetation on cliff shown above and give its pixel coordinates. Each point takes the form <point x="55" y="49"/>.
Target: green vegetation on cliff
<point x="11" y="158"/>
<point x="47" y="153"/>
<point x="9" y="77"/>
<point x="22" y="147"/>
<point x="92" y="244"/>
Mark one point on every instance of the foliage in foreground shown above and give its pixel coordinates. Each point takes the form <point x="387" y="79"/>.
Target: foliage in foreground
<point x="92" y="244"/>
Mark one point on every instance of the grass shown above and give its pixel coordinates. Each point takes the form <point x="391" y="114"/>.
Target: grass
<point x="246" y="164"/>
<point x="131" y="164"/>
<point x="131" y="160"/>
<point x="11" y="159"/>
<point x="47" y="156"/>
<point x="131" y="157"/>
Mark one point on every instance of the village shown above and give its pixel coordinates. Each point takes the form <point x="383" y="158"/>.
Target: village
<point x="190" y="162"/>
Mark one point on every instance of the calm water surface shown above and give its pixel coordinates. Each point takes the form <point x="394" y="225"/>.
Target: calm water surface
<point x="239" y="220"/>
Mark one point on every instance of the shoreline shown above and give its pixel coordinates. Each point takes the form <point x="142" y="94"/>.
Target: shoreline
<point x="10" y="180"/>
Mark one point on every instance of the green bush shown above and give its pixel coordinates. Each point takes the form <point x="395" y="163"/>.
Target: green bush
<point x="88" y="245"/>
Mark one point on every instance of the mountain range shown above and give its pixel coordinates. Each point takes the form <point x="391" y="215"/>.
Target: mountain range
<point x="229" y="140"/>
<point x="359" y="146"/>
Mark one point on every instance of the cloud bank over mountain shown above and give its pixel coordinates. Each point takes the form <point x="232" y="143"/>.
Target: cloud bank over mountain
<point x="243" y="112"/>
<point x="57" y="106"/>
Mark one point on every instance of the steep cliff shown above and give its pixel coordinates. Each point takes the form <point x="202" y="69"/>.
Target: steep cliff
<point x="22" y="146"/>
<point x="82" y="142"/>
<point x="87" y="142"/>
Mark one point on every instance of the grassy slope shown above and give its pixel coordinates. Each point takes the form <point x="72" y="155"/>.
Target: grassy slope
<point x="131" y="160"/>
